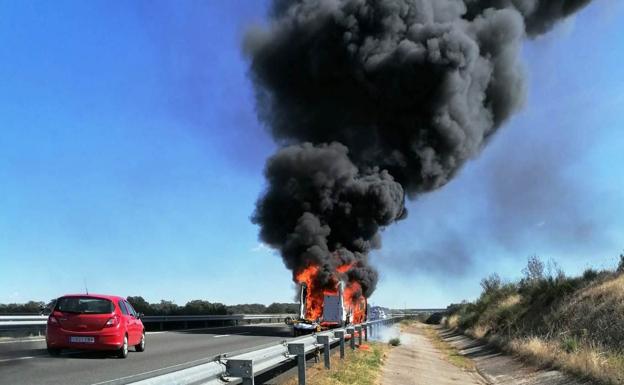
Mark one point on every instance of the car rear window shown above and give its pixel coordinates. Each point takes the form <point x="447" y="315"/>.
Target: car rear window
<point x="84" y="305"/>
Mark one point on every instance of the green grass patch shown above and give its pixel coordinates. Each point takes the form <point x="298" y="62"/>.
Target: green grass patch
<point x="361" y="367"/>
<point x="570" y="344"/>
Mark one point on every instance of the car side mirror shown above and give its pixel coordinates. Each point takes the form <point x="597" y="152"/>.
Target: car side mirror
<point x="140" y="315"/>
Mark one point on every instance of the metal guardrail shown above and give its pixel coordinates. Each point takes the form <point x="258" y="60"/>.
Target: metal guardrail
<point x="36" y="320"/>
<point x="228" y="317"/>
<point x="242" y="368"/>
<point x="414" y="312"/>
<point x="13" y="322"/>
<point x="36" y="323"/>
<point x="22" y="319"/>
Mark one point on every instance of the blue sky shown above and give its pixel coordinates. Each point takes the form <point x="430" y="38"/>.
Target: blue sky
<point x="131" y="158"/>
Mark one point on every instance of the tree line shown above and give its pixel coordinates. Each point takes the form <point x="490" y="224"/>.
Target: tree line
<point x="30" y="307"/>
<point x="164" y="307"/>
<point x="202" y="307"/>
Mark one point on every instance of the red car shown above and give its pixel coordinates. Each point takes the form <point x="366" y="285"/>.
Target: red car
<point x="94" y="322"/>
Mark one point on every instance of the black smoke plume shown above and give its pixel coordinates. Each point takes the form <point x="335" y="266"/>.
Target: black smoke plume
<point x="374" y="101"/>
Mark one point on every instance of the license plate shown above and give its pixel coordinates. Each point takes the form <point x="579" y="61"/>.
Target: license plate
<point x="81" y="340"/>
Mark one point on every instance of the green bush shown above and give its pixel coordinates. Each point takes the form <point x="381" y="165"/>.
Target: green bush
<point x="395" y="341"/>
<point x="539" y="290"/>
<point x="570" y="344"/>
<point x="620" y="268"/>
<point x="590" y="275"/>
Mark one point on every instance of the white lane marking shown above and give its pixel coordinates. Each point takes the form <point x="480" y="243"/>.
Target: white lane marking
<point x="190" y="330"/>
<point x="229" y="335"/>
<point x="152" y="371"/>
<point x="21" y="341"/>
<point x="17" y="359"/>
<point x="66" y="353"/>
<point x="161" y="369"/>
<point x="72" y="352"/>
<point x="216" y="328"/>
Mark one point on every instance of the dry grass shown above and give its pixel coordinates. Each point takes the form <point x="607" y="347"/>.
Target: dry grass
<point x="612" y="289"/>
<point x="510" y="301"/>
<point x="581" y="332"/>
<point x="586" y="361"/>
<point x="406" y="323"/>
<point x="361" y="367"/>
<point x="479" y="331"/>
<point x="595" y="315"/>
<point x="449" y="352"/>
<point x="451" y="321"/>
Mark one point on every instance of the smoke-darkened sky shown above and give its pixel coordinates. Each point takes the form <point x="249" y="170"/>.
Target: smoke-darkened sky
<point x="130" y="135"/>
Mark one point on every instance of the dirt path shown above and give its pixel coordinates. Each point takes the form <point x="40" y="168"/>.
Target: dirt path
<point x="417" y="362"/>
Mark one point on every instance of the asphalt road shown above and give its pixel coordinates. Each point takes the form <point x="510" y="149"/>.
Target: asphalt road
<point x="29" y="363"/>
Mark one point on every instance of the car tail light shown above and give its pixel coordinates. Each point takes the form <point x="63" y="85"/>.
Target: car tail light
<point x="114" y="321"/>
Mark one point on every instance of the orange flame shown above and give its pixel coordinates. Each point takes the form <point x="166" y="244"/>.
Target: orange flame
<point x="314" y="296"/>
<point x="344" y="268"/>
<point x="354" y="301"/>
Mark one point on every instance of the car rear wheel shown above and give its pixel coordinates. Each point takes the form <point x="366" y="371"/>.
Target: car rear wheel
<point x="123" y="350"/>
<point x="54" y="351"/>
<point x="141" y="346"/>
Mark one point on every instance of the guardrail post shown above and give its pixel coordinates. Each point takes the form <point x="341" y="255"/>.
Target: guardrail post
<point x="341" y="335"/>
<point x="324" y="340"/>
<point x="351" y="331"/>
<point x="298" y="349"/>
<point x="366" y="326"/>
<point x="358" y="329"/>
<point x="242" y="369"/>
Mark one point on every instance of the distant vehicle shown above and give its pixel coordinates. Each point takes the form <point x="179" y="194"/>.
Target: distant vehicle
<point x="94" y="322"/>
<point x="377" y="313"/>
<point x="48" y="308"/>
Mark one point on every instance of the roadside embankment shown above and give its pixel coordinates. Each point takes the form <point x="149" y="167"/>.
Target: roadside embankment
<point x="575" y="324"/>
